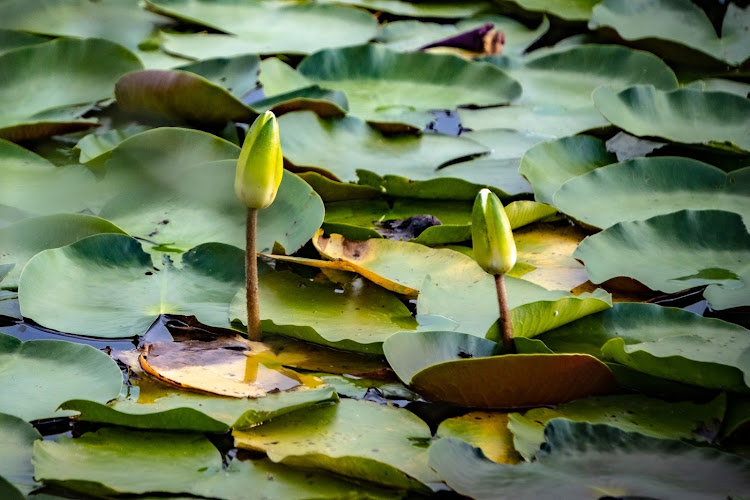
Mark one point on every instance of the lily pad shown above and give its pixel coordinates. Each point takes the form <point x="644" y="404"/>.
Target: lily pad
<point x="26" y="238"/>
<point x="343" y="147"/>
<point x="385" y="86"/>
<point x="358" y="317"/>
<point x="103" y="463"/>
<point x="37" y="105"/>
<point x="718" y="119"/>
<point x="272" y="27"/>
<point x="11" y="39"/>
<point x="630" y="413"/>
<point x="487" y="431"/>
<point x="124" y="298"/>
<point x="95" y="148"/>
<point x="154" y="406"/>
<point x="433" y="9"/>
<point x="678" y="21"/>
<point x="664" y="342"/>
<point x="581" y="460"/>
<point x="653" y="186"/>
<point x="450" y="365"/>
<point x="38" y="375"/>
<point x="579" y="10"/>
<point x="557" y="88"/>
<point x="675" y="252"/>
<point x="386" y="446"/>
<point x="17" y="438"/>
<point x="176" y="190"/>
<point x="551" y="164"/>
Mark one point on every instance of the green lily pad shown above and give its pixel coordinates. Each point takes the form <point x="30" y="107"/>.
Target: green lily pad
<point x="237" y="75"/>
<point x="123" y="22"/>
<point x="387" y="446"/>
<point x="581" y="460"/>
<point x="680" y="22"/>
<point x="24" y="239"/>
<point x="124" y="298"/>
<point x="578" y="10"/>
<point x="104" y="463"/>
<point x="343" y="147"/>
<point x="38" y="375"/>
<point x="176" y="190"/>
<point x="675" y="252"/>
<point x="644" y="187"/>
<point x="385" y="86"/>
<point x="95" y="148"/>
<point x="450" y="364"/>
<point x="17" y="438"/>
<point x="272" y="27"/>
<point x="36" y="106"/>
<point x="718" y="119"/>
<point x="412" y="35"/>
<point x="630" y="413"/>
<point x="487" y="431"/>
<point x="664" y="342"/>
<point x="434" y="9"/>
<point x="179" y="95"/>
<point x="557" y="88"/>
<point x="156" y="406"/>
<point x="11" y="39"/>
<point x="549" y="165"/>
<point x="358" y="318"/>
<point x="325" y="103"/>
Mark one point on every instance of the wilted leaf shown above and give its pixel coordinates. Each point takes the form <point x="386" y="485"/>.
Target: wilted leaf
<point x="38" y="375"/>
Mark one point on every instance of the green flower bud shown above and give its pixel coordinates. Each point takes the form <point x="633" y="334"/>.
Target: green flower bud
<point x="491" y="235"/>
<point x="261" y="164"/>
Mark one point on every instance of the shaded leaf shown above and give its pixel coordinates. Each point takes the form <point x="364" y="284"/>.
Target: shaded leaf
<point x="436" y="9"/>
<point x="579" y="10"/>
<point x="17" y="438"/>
<point x="95" y="148"/>
<point x="38" y="375"/>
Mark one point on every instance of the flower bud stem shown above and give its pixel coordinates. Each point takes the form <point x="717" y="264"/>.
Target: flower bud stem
<point x="506" y="326"/>
<point x="251" y="276"/>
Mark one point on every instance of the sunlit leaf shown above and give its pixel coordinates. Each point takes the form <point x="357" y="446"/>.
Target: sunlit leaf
<point x="38" y="375"/>
<point x="665" y="342"/>
<point x="578" y="10"/>
<point x="34" y="105"/>
<point x="689" y="116"/>
<point x="271" y="27"/>
<point x="678" y="21"/>
<point x="17" y="439"/>
<point x="675" y="252"/>
<point x="106" y="462"/>
<point x="631" y="413"/>
<point x="588" y="461"/>
<point x="386" y="446"/>
<point x="385" y="86"/>
<point x="123" y="298"/>
<point x="434" y="9"/>
<point x="461" y="369"/>
<point x="487" y="431"/>
<point x="358" y="317"/>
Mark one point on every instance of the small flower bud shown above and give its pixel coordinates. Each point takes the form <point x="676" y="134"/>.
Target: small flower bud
<point x="261" y="164"/>
<point x="491" y="235"/>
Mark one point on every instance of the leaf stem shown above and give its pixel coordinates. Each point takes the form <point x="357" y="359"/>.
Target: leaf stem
<point x="251" y="276"/>
<point x="506" y="326"/>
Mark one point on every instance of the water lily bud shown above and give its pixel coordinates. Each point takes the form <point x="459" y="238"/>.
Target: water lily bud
<point x="491" y="235"/>
<point x="260" y="165"/>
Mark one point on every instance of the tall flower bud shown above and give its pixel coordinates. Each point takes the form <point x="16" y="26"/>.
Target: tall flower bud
<point x="491" y="235"/>
<point x="260" y="165"/>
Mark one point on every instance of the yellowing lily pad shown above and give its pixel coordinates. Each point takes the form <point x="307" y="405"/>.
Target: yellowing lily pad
<point x="485" y="430"/>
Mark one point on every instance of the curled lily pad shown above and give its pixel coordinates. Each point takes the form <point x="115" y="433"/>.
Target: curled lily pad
<point x="487" y="431"/>
<point x="718" y="119"/>
<point x="104" y="462"/>
<point x="28" y="237"/>
<point x="461" y="369"/>
<point x="386" y="446"/>
<point x="664" y="342"/>
<point x="38" y="375"/>
<point x="581" y="460"/>
<point x="125" y="297"/>
<point x="631" y="413"/>
<point x="549" y="165"/>
<point x="384" y="86"/>
<point x="36" y="106"/>
<point x="675" y="252"/>
<point x="358" y="317"/>
<point x="641" y="188"/>
<point x="680" y="22"/>
<point x="18" y="438"/>
<point x="270" y="27"/>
